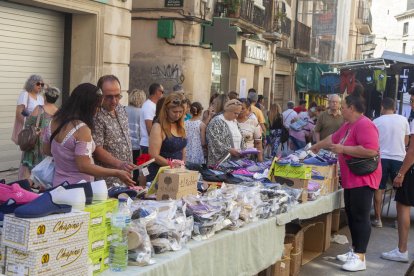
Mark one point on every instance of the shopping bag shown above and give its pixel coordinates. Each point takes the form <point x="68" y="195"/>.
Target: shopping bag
<point x="43" y="173"/>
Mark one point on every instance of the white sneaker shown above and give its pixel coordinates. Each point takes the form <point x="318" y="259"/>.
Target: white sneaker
<point x="100" y="191"/>
<point x="376" y="223"/>
<point x="354" y="264"/>
<point x="344" y="257"/>
<point x="395" y="255"/>
<point x="74" y="197"/>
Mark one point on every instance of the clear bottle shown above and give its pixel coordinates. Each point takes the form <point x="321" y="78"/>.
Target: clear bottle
<point x="118" y="250"/>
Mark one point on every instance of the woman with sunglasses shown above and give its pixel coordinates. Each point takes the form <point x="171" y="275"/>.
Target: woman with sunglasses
<point x="69" y="139"/>
<point x="28" y="99"/>
<point x="168" y="137"/>
<point x="224" y="135"/>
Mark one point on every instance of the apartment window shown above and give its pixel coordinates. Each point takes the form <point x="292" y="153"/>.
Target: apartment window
<point x="404" y="46"/>
<point x="405" y="29"/>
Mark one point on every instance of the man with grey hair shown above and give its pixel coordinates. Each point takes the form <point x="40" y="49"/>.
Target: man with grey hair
<point x="330" y="120"/>
<point x="289" y="114"/>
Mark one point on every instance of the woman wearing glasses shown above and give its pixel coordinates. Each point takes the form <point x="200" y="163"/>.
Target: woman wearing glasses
<point x="28" y="99"/>
<point x="168" y="137"/>
<point x="224" y="135"/>
<point x="69" y="140"/>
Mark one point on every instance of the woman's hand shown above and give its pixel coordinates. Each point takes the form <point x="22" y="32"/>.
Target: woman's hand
<point x="234" y="152"/>
<point x="398" y="180"/>
<point x="315" y="148"/>
<point x="125" y="166"/>
<point x="125" y="177"/>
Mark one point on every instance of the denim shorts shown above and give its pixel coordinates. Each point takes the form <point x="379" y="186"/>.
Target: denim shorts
<point x="390" y="170"/>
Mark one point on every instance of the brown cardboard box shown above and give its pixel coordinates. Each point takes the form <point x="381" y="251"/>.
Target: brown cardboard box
<point x="336" y="215"/>
<point x="326" y="171"/>
<point x="313" y="240"/>
<point x="335" y="184"/>
<point x="294" y="235"/>
<point x="297" y="184"/>
<point x="176" y="184"/>
<point x="326" y="185"/>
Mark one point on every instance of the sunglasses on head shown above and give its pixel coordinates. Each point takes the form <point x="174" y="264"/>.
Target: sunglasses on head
<point x="178" y="102"/>
<point x="40" y="84"/>
<point x="235" y="103"/>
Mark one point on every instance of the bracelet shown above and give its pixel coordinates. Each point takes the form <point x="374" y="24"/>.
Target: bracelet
<point x="400" y="174"/>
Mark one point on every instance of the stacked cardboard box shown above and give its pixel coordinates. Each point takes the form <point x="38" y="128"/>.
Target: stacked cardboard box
<point x="100" y="233"/>
<point x="46" y="246"/>
<point x="176" y="183"/>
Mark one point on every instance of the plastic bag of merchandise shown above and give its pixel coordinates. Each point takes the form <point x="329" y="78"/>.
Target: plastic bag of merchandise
<point x="43" y="173"/>
<point x="249" y="198"/>
<point x="139" y="244"/>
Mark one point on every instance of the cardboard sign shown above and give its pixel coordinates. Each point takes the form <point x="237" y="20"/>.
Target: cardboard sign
<point x="176" y="184"/>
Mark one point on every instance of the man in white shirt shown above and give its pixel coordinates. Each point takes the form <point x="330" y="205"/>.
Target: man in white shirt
<point x="289" y="114"/>
<point x="393" y="137"/>
<point x="147" y="114"/>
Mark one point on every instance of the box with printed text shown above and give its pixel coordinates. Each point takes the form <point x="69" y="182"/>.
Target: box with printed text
<point x="54" y="260"/>
<point x="97" y="211"/>
<point x="176" y="184"/>
<point x="30" y="234"/>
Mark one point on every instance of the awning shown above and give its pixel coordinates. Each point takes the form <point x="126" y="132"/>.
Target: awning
<point x="307" y="77"/>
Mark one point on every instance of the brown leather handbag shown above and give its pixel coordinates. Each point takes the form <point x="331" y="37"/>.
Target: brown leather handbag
<point x="28" y="136"/>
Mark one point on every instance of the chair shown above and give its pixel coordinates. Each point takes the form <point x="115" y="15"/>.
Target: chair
<point x="389" y="189"/>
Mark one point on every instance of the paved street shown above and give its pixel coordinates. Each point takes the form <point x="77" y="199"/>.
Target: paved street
<point x="382" y="239"/>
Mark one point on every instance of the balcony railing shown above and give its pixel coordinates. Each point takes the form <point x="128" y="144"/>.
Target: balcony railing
<point x="254" y="14"/>
<point x="283" y="25"/>
<point x="303" y="37"/>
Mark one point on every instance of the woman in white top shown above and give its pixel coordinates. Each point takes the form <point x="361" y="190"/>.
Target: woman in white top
<point x="193" y="128"/>
<point x="29" y="98"/>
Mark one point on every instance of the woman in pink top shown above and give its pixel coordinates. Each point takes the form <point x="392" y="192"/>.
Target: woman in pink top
<point x="358" y="137"/>
<point x="70" y="142"/>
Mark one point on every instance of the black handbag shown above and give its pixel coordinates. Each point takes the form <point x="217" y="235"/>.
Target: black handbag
<point x="363" y="166"/>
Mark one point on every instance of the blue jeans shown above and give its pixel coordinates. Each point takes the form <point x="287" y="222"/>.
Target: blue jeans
<point x="298" y="144"/>
<point x="390" y="169"/>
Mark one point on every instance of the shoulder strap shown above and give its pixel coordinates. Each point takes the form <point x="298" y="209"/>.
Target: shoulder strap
<point x="72" y="131"/>
<point x="58" y="130"/>
<point x="38" y="116"/>
<point x="28" y="98"/>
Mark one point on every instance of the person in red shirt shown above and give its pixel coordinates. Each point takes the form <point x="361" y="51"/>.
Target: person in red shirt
<point x="301" y="107"/>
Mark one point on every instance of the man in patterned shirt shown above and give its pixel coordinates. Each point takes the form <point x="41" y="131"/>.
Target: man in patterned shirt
<point x="111" y="133"/>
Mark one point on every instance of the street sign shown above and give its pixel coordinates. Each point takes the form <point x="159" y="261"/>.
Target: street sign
<point x="173" y="3"/>
<point x="219" y="34"/>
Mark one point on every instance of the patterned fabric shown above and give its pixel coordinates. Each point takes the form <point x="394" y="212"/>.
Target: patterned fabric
<point x="251" y="131"/>
<point x="35" y="156"/>
<point x="112" y="133"/>
<point x="219" y="140"/>
<point x="194" y="150"/>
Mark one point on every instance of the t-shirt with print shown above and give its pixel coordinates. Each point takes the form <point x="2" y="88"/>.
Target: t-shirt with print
<point x="147" y="113"/>
<point x="362" y="132"/>
<point x="32" y="102"/>
<point x="392" y="130"/>
<point x="251" y="131"/>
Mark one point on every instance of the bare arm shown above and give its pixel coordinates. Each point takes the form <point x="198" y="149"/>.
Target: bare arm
<point x="317" y="136"/>
<point x="148" y="125"/>
<point x="85" y="165"/>
<point x="406" y="139"/>
<point x="407" y="163"/>
<point x="324" y="144"/>
<point x="155" y="145"/>
<point x="105" y="157"/>
<point x="355" y="151"/>
<point x="19" y="116"/>
<point x="258" y="145"/>
<point x="203" y="129"/>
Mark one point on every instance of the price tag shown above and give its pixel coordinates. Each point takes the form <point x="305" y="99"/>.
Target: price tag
<point x="145" y="171"/>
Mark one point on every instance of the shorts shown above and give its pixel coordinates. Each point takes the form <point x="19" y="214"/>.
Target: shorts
<point x="405" y="194"/>
<point x="390" y="169"/>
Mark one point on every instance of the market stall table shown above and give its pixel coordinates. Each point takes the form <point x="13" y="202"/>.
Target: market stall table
<point x="245" y="251"/>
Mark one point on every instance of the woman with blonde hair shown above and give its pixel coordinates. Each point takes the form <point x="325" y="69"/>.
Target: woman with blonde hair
<point x="276" y="127"/>
<point x="168" y="137"/>
<point x="136" y="98"/>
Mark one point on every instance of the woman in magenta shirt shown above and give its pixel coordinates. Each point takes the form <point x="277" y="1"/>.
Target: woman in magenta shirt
<point x="358" y="137"/>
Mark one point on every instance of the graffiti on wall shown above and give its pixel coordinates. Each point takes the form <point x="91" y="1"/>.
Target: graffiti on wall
<point x="143" y="75"/>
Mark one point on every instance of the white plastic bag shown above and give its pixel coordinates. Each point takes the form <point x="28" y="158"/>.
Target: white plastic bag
<point x="43" y="173"/>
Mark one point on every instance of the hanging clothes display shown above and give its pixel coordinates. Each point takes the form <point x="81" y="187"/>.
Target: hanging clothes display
<point x="329" y="83"/>
<point x="307" y="77"/>
<point x="347" y="81"/>
<point x="380" y="77"/>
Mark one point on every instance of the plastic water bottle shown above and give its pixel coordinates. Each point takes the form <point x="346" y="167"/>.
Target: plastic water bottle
<point x="118" y="250"/>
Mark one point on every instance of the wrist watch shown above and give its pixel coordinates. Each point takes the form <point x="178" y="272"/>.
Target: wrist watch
<point x="399" y="174"/>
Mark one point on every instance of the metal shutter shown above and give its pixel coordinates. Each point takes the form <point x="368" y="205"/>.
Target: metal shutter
<point x="31" y="42"/>
<point x="279" y="89"/>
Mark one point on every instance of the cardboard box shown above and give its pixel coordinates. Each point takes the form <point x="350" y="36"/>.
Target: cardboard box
<point x="325" y="184"/>
<point x="97" y="211"/>
<point x="336" y="215"/>
<point x="97" y="240"/>
<point x="47" y="261"/>
<point x="31" y="234"/>
<point x="297" y="184"/>
<point x="302" y="172"/>
<point x="295" y="236"/>
<point x="96" y="259"/>
<point x="313" y="243"/>
<point x="111" y="206"/>
<point x="335" y="184"/>
<point x="281" y="268"/>
<point x="105" y="260"/>
<point x="326" y="171"/>
<point x="176" y="184"/>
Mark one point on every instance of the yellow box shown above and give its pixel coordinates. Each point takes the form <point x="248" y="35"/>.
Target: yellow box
<point x="302" y="172"/>
<point x="105" y="260"/>
<point x="47" y="261"/>
<point x="96" y="259"/>
<point x="97" y="212"/>
<point x="35" y="233"/>
<point x="111" y="206"/>
<point x="97" y="239"/>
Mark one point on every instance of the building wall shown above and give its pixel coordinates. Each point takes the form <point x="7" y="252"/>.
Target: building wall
<point x="343" y="31"/>
<point x="385" y="26"/>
